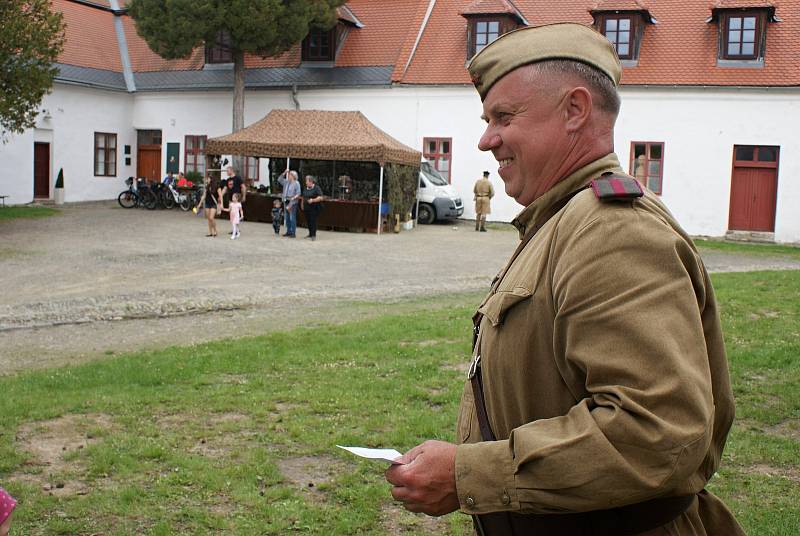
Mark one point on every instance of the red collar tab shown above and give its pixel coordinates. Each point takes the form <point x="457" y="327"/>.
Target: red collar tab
<point x="611" y="187"/>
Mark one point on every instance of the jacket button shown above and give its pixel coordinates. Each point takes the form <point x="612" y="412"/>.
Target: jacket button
<point x="470" y="502"/>
<point x="506" y="499"/>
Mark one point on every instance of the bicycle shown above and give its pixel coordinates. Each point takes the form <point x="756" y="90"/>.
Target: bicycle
<point x="128" y="198"/>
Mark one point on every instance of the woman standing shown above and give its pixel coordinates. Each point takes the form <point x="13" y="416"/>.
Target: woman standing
<point x="312" y="197"/>
<point x="209" y="203"/>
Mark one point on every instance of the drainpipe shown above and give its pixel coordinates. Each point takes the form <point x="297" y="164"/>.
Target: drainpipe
<point x="294" y="97"/>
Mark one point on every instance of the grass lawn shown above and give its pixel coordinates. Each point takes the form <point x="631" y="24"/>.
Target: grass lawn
<point x="238" y="436"/>
<point x="20" y="211"/>
<point x="765" y="250"/>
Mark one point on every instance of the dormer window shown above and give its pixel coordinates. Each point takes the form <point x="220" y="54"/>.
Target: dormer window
<point x="220" y="51"/>
<point x="320" y="45"/>
<point x="624" y="29"/>
<point x="488" y="21"/>
<point x="742" y="35"/>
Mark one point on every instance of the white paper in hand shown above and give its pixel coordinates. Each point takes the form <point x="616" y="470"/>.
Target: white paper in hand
<point x="390" y="455"/>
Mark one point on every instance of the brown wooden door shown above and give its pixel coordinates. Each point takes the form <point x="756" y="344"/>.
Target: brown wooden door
<point x="148" y="162"/>
<point x="754" y="188"/>
<point x="41" y="170"/>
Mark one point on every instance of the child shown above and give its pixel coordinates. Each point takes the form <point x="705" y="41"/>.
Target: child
<point x="7" y="505"/>
<point x="237" y="215"/>
<point x="277" y="216"/>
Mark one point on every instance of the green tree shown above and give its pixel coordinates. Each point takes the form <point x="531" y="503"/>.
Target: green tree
<point x="31" y="38"/>
<point x="174" y="28"/>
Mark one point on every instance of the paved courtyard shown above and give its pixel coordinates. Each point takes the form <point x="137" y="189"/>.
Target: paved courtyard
<point x="98" y="279"/>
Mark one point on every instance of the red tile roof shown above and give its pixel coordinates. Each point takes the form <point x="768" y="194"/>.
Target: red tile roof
<point x="143" y="59"/>
<point x="491" y="7"/>
<point x="681" y="49"/>
<point x="619" y="5"/>
<point x="91" y="39"/>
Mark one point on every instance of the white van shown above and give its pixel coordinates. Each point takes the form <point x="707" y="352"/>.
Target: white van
<point x="437" y="199"/>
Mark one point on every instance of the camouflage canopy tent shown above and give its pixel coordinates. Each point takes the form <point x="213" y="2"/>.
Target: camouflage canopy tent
<point x="327" y="135"/>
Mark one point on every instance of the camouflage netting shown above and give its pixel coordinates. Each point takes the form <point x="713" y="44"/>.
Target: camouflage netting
<point x="315" y="134"/>
<point x="401" y="188"/>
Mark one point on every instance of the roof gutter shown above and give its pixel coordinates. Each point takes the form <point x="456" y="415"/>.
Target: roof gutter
<point x="422" y="27"/>
<point x="127" y="70"/>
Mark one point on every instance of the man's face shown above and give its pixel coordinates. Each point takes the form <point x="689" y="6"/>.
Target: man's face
<point x="309" y="183"/>
<point x="525" y="133"/>
<point x="230" y="172"/>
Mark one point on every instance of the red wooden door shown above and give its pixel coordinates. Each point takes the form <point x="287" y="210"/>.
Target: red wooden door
<point x="41" y="170"/>
<point x="148" y="162"/>
<point x="754" y="189"/>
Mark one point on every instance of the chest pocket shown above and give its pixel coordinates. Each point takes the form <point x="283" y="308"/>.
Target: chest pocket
<point x="495" y="308"/>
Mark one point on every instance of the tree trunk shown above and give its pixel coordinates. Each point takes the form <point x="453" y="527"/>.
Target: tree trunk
<point x="238" y="103"/>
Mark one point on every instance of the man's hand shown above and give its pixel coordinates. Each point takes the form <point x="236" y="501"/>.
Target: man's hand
<point x="427" y="480"/>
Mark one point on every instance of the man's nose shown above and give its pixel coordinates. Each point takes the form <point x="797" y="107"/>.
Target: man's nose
<point x="489" y="140"/>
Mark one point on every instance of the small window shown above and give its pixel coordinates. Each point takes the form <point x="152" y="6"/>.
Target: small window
<point x="485" y="32"/>
<point x="251" y="168"/>
<point x="623" y="31"/>
<point x="741" y="35"/>
<point x="438" y="151"/>
<point x="195" y="154"/>
<point x="105" y="154"/>
<point x="755" y="156"/>
<point x="319" y="45"/>
<point x="220" y="51"/>
<point x="647" y="164"/>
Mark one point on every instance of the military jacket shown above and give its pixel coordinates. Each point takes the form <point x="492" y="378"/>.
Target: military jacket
<point x="483" y="188"/>
<point x="604" y="368"/>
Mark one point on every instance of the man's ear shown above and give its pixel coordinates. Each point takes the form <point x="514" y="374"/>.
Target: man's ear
<point x="578" y="107"/>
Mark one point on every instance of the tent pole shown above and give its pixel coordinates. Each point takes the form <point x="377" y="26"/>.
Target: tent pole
<point x="380" y="202"/>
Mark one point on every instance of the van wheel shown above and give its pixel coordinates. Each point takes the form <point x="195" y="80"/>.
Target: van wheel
<point x="427" y="214"/>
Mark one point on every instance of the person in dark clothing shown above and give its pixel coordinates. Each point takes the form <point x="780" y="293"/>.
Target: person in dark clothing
<point x="277" y="216"/>
<point x="312" y="197"/>
<point x="209" y="203"/>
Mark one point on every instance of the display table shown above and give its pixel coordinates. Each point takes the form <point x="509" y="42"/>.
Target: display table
<point x="337" y="214"/>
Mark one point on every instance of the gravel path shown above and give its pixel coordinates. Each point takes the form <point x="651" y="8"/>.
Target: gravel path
<point x="99" y="279"/>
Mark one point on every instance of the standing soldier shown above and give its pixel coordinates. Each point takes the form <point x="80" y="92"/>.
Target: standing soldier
<point x="598" y="401"/>
<point x="483" y="201"/>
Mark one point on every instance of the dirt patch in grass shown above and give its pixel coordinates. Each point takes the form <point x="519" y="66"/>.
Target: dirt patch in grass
<point x="310" y="474"/>
<point x="791" y="473"/>
<point x="398" y="521"/>
<point x="233" y="379"/>
<point x="788" y="428"/>
<point x="458" y="367"/>
<point x="54" y="451"/>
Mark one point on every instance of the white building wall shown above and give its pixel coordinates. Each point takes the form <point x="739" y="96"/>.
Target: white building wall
<point x="698" y="127"/>
<point x="16" y="171"/>
<point x="76" y="113"/>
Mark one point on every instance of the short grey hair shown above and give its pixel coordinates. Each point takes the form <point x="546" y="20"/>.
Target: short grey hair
<point x="602" y="88"/>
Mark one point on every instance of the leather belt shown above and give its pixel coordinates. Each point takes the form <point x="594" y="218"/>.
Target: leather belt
<point x="623" y="521"/>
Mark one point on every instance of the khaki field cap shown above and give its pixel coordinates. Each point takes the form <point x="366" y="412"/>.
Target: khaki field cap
<point x="564" y="41"/>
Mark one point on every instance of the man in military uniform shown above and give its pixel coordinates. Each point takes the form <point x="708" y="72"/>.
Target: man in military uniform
<point x="599" y="399"/>
<point x="483" y="201"/>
